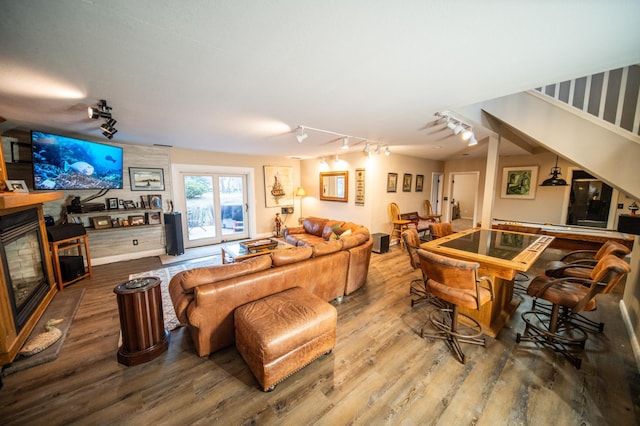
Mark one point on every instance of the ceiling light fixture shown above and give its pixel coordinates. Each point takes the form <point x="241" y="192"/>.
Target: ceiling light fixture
<point x="341" y="136"/>
<point x="554" y="180"/>
<point x="101" y="110"/>
<point x="345" y="142"/>
<point x="458" y="126"/>
<point x="387" y="152"/>
<point x="302" y="136"/>
<point x="472" y="140"/>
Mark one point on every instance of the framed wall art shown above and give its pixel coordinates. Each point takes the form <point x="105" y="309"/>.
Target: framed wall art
<point x="519" y="182"/>
<point x="278" y="186"/>
<point x="144" y="179"/>
<point x="406" y="182"/>
<point x="419" y="183"/>
<point x="360" y="179"/>
<point x="392" y="182"/>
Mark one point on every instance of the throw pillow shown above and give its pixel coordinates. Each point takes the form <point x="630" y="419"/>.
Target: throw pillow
<point x="333" y="237"/>
<point x="345" y="233"/>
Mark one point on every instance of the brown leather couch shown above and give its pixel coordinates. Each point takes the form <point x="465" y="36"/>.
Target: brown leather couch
<point x="205" y="298"/>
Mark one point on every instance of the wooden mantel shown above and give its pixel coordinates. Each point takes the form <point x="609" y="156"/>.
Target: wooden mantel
<point x="10" y="200"/>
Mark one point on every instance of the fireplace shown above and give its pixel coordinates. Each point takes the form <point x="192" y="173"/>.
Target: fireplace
<point x="23" y="253"/>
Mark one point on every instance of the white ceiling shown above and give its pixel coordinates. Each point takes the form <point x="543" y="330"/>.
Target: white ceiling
<point x="240" y="76"/>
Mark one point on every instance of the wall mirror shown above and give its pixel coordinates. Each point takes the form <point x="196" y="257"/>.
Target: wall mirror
<point x="334" y="186"/>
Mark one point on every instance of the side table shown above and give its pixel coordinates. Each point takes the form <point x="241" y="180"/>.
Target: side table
<point x="141" y="321"/>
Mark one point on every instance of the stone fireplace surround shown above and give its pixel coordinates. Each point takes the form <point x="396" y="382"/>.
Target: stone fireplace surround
<point x="12" y="337"/>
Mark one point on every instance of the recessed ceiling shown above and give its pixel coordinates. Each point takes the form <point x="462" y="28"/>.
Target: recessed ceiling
<point x="235" y="76"/>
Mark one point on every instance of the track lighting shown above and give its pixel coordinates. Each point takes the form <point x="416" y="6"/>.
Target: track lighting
<point x="101" y="110"/>
<point x="472" y="140"/>
<point x="302" y="136"/>
<point x="345" y="142"/>
<point x="345" y="139"/>
<point x="450" y="123"/>
<point x="387" y="152"/>
<point x="458" y="126"/>
<point x="466" y="135"/>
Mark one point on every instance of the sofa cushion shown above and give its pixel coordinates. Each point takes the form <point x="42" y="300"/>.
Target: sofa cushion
<point x="354" y="240"/>
<point x="314" y="225"/>
<point x="208" y="275"/>
<point x="292" y="255"/>
<point x="331" y="226"/>
<point x="327" y="247"/>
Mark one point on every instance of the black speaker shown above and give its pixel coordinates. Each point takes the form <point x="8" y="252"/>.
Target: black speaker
<point x="71" y="267"/>
<point x="67" y="230"/>
<point x="173" y="232"/>
<point x="380" y="243"/>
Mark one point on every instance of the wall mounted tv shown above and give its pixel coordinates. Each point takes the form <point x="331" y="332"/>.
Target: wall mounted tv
<point x="61" y="163"/>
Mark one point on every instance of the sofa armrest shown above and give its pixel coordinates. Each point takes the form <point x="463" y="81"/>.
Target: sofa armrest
<point x="294" y="230"/>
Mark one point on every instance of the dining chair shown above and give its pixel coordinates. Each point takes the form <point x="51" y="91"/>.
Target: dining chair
<point x="579" y="263"/>
<point x="559" y="328"/>
<point x="418" y="286"/>
<point x="397" y="224"/>
<point x="457" y="283"/>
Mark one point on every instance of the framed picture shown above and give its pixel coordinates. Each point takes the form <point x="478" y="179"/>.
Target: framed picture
<point x="392" y="182"/>
<point x="406" y="182"/>
<point x="153" y="218"/>
<point x="519" y="182"/>
<point x="143" y="179"/>
<point x="16" y="185"/>
<point x="112" y="203"/>
<point x="360" y="181"/>
<point x="101" y="222"/>
<point x="278" y="186"/>
<point x="155" y="202"/>
<point x="129" y="204"/>
<point x="115" y="223"/>
<point x="136" y="220"/>
<point x="419" y="182"/>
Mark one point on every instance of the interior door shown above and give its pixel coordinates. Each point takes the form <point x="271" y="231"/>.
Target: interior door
<point x="216" y="208"/>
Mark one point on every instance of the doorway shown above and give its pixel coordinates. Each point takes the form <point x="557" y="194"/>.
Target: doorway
<point x="214" y="202"/>
<point x="589" y="201"/>
<point x="437" y="183"/>
<point x="463" y="196"/>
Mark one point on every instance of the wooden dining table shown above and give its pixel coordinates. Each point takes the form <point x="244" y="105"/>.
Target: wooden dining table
<point x="501" y="255"/>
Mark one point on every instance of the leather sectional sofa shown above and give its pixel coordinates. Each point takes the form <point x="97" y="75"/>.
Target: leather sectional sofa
<point x="205" y="298"/>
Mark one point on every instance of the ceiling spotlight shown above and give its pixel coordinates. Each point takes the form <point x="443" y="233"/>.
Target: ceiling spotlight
<point x="101" y="110"/>
<point x="302" y="136"/>
<point x="109" y="134"/>
<point x="458" y="128"/>
<point x="451" y="124"/>
<point x="472" y="140"/>
<point x="367" y="148"/>
<point x="466" y="135"/>
<point x="345" y="142"/>
<point x="387" y="151"/>
<point x="323" y="161"/>
<point x="378" y="149"/>
<point x="337" y="159"/>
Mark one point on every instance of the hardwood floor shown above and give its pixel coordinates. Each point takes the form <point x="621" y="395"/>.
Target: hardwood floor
<point x="380" y="372"/>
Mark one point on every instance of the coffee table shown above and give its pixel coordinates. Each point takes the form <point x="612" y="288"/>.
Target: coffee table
<point x="240" y="251"/>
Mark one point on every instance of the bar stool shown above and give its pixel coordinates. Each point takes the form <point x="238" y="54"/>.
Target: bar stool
<point x="397" y="225"/>
<point x="69" y="269"/>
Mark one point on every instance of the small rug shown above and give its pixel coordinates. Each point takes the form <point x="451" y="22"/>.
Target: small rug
<point x="64" y="305"/>
<point x="165" y="275"/>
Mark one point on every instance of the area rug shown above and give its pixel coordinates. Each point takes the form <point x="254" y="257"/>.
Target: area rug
<point x="64" y="305"/>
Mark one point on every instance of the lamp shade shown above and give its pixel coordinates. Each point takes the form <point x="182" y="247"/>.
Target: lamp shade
<point x="555" y="179"/>
<point x="300" y="192"/>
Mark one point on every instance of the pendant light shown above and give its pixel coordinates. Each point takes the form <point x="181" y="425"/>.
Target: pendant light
<point x="554" y="180"/>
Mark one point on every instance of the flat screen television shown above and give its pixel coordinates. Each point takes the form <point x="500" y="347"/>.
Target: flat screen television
<point x="61" y="163"/>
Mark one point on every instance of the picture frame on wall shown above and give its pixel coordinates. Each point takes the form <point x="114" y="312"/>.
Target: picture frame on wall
<point x="519" y="182"/>
<point x="419" y="183"/>
<point x="406" y="182"/>
<point x="146" y="179"/>
<point x="278" y="186"/>
<point x="392" y="182"/>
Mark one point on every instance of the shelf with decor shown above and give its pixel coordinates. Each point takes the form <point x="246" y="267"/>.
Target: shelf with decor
<point x="117" y="219"/>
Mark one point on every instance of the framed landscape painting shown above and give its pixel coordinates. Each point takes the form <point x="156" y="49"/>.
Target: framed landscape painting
<point x="392" y="182"/>
<point x="519" y="182"/>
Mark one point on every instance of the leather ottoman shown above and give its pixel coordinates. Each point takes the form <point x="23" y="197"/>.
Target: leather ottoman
<point x="282" y="333"/>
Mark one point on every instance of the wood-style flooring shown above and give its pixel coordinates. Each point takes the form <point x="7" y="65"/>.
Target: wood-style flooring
<point x="380" y="372"/>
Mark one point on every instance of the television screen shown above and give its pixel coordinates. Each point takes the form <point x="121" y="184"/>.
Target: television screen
<point x="61" y="163"/>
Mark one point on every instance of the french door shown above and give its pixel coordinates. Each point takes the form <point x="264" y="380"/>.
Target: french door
<point x="215" y="206"/>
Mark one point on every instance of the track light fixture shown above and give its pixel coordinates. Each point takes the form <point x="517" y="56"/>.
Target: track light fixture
<point x="387" y="152"/>
<point x="102" y="110"/>
<point x="345" y="139"/>
<point x="302" y="135"/>
<point x="458" y="126"/>
<point x="345" y="142"/>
